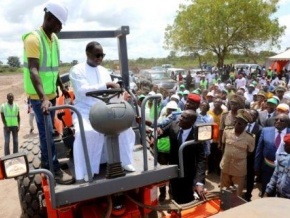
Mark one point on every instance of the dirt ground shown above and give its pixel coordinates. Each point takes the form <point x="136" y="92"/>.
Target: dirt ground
<point x="9" y="200"/>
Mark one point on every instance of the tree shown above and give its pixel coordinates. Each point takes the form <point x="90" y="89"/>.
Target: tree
<point x="223" y="26"/>
<point x="13" y="61"/>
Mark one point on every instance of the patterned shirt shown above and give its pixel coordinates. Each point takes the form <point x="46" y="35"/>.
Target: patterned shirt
<point x="280" y="179"/>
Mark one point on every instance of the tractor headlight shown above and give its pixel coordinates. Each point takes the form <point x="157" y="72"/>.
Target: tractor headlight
<point x="13" y="165"/>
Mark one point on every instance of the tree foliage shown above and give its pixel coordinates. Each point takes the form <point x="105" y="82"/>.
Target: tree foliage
<point x="13" y="61"/>
<point x="223" y="26"/>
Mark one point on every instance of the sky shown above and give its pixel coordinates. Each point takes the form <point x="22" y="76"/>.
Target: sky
<point x="147" y="20"/>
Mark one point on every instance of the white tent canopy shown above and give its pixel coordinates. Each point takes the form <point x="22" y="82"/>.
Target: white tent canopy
<point x="284" y="56"/>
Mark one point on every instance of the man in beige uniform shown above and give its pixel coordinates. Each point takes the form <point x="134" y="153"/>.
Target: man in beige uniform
<point x="237" y="143"/>
<point x="236" y="102"/>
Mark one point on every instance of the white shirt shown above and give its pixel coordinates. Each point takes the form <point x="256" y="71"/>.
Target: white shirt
<point x="249" y="96"/>
<point x="241" y="82"/>
<point x="251" y="125"/>
<point x="185" y="134"/>
<point x="271" y="115"/>
<point x="84" y="79"/>
<point x="281" y="146"/>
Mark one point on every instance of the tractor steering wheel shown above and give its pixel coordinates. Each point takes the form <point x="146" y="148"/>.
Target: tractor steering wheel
<point x="105" y="95"/>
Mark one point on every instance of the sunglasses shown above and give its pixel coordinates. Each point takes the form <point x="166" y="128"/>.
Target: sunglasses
<point x="99" y="55"/>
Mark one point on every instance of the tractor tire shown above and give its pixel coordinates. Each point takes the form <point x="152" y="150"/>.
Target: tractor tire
<point x="30" y="190"/>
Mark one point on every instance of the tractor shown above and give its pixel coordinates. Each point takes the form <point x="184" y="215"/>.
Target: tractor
<point x="98" y="196"/>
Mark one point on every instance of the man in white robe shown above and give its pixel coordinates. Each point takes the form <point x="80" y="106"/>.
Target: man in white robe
<point x="86" y="77"/>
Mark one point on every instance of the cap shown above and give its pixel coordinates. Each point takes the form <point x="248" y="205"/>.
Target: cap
<point x="175" y="96"/>
<point x="151" y="93"/>
<point x="277" y="98"/>
<point x="245" y="115"/>
<point x="181" y="86"/>
<point x="179" y="93"/>
<point x="58" y="10"/>
<point x="238" y="99"/>
<point x="262" y="93"/>
<point x="196" y="91"/>
<point x="141" y="96"/>
<point x="284" y="107"/>
<point x="286" y="95"/>
<point x="194" y="97"/>
<point x="210" y="94"/>
<point x="287" y="139"/>
<point x="280" y="88"/>
<point x="272" y="100"/>
<point x="160" y="95"/>
<point x="172" y="105"/>
<point x="186" y="92"/>
<point x="243" y="87"/>
<point x="252" y="85"/>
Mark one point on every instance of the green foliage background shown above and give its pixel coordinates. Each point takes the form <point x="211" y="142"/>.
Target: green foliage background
<point x="182" y="62"/>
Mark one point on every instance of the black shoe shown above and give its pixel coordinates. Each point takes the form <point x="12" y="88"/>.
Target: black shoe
<point x="61" y="177"/>
<point x="247" y="198"/>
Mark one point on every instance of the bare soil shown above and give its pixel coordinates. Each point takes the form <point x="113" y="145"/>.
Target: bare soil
<point x="9" y="200"/>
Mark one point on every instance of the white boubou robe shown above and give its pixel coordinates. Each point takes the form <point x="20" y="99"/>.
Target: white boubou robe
<point x="85" y="78"/>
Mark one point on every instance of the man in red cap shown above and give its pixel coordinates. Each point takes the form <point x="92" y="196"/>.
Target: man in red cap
<point x="193" y="101"/>
<point x="280" y="180"/>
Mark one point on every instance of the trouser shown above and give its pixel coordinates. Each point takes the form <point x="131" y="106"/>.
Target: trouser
<point x="7" y="131"/>
<point x="266" y="175"/>
<point x="214" y="159"/>
<point x="163" y="159"/>
<point x="182" y="189"/>
<point x="31" y="118"/>
<point x="229" y="180"/>
<point x="250" y="176"/>
<point x="36" y="105"/>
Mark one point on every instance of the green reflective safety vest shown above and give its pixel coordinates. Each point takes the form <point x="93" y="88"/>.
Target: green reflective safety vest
<point x="10" y="114"/>
<point x="48" y="64"/>
<point x="203" y="83"/>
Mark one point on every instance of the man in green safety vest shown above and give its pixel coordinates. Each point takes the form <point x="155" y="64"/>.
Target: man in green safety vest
<point x="11" y="121"/>
<point x="41" y="78"/>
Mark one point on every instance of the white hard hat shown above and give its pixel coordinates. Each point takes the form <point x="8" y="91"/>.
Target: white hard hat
<point x="172" y="105"/>
<point x="58" y="10"/>
<point x="175" y="96"/>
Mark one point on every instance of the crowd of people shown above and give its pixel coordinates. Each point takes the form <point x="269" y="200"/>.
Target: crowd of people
<point x="251" y="108"/>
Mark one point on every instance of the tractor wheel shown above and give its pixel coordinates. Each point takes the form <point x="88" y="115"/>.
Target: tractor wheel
<point x="30" y="190"/>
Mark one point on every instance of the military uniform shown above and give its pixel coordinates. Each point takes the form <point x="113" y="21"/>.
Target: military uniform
<point x="280" y="180"/>
<point x="234" y="161"/>
<point x="227" y="121"/>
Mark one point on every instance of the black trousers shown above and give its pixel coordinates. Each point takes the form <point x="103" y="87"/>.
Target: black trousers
<point x="181" y="190"/>
<point x="214" y="159"/>
<point x="250" y="177"/>
<point x="266" y="175"/>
